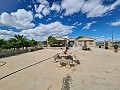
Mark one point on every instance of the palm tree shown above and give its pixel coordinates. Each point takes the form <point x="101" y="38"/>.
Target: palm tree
<point x="2" y="44"/>
<point x="33" y="43"/>
<point x="19" y="36"/>
<point x="12" y="41"/>
<point x="2" y="41"/>
<point x="22" y="41"/>
<point x="26" y="43"/>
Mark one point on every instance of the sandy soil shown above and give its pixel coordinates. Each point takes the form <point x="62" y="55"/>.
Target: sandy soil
<point x="99" y="70"/>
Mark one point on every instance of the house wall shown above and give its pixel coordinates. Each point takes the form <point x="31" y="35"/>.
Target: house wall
<point x="89" y="42"/>
<point x="79" y="42"/>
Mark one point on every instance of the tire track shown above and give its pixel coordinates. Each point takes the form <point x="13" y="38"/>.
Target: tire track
<point x="24" y="68"/>
<point x="3" y="63"/>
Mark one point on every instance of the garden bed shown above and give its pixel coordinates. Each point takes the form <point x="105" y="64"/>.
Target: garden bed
<point x="8" y="53"/>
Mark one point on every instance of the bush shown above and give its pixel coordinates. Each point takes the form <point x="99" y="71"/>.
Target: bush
<point x="0" y="49"/>
<point x="16" y="52"/>
<point x="11" y="53"/>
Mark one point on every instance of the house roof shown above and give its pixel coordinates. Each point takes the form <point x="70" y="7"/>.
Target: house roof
<point x="71" y="39"/>
<point x="59" y="38"/>
<point x="85" y="38"/>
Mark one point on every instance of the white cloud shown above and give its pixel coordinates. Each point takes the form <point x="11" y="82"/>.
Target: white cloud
<point x="6" y="34"/>
<point x="94" y="30"/>
<point x="45" y="2"/>
<point x="117" y="23"/>
<point x="116" y="39"/>
<point x="21" y="19"/>
<point x="69" y="19"/>
<point x="29" y="6"/>
<point x="55" y="29"/>
<point x="38" y="15"/>
<point x="89" y="25"/>
<point x="75" y="23"/>
<point x="40" y="8"/>
<point x="49" y="19"/>
<point x="35" y="6"/>
<point x="61" y="17"/>
<point x="92" y="8"/>
<point x="102" y="36"/>
<point x="55" y="7"/>
<point x="71" y="6"/>
<point x="46" y="11"/>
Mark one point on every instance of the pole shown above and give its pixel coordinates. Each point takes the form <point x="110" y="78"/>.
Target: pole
<point x="112" y="38"/>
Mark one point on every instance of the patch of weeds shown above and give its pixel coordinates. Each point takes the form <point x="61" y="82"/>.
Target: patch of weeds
<point x="66" y="83"/>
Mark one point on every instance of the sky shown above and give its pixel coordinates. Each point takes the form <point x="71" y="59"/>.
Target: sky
<point x="39" y="19"/>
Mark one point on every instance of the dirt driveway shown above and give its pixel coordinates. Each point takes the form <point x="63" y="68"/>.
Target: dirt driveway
<point x="99" y="70"/>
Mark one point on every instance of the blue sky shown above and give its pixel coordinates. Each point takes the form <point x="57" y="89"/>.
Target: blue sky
<point x="39" y="19"/>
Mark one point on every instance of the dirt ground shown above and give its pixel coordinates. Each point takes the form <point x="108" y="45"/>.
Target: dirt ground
<point x="99" y="69"/>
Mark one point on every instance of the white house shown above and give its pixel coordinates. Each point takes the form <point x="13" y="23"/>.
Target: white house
<point x="83" y="40"/>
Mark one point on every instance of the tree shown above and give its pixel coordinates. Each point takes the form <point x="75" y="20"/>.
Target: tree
<point x="13" y="43"/>
<point x="21" y="41"/>
<point x="2" y="42"/>
<point x="58" y="42"/>
<point x="52" y="41"/>
<point x="33" y="42"/>
<point x="26" y="43"/>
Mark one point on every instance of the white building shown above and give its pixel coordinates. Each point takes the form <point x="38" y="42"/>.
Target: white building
<point x="81" y="41"/>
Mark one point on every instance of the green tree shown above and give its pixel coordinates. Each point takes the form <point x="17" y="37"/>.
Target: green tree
<point x="26" y="43"/>
<point x="33" y="43"/>
<point x="21" y="41"/>
<point x="52" y="41"/>
<point x="12" y="41"/>
<point x="2" y="42"/>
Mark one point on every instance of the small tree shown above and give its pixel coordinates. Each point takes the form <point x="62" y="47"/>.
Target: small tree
<point x="18" y="44"/>
<point x="52" y="41"/>
<point x="12" y="41"/>
<point x="21" y="41"/>
<point x="33" y="42"/>
<point x="2" y="42"/>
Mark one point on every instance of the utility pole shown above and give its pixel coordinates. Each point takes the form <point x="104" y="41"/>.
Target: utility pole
<point x="112" y="38"/>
